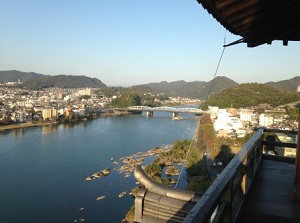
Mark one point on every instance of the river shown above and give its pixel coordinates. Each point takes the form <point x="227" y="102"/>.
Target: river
<point x="43" y="169"/>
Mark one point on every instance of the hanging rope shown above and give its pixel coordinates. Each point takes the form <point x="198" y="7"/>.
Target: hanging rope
<point x="224" y="46"/>
<point x="186" y="156"/>
<point x="184" y="163"/>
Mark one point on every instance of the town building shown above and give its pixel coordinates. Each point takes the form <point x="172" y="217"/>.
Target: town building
<point x="49" y="113"/>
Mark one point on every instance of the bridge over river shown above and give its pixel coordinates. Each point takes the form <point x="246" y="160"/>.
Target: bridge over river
<point x="174" y="111"/>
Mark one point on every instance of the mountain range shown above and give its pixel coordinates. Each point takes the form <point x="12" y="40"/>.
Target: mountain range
<point x="288" y="85"/>
<point x="36" y="81"/>
<point x="195" y="89"/>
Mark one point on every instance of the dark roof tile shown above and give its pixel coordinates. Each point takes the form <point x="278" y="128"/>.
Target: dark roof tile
<point x="258" y="21"/>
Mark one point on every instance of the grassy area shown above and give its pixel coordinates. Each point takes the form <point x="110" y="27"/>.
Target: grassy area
<point x="130" y="215"/>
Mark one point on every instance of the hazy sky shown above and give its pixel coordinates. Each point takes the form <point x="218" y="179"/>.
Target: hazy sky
<point x="129" y="42"/>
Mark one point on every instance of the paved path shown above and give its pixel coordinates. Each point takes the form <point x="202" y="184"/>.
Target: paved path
<point x="210" y="168"/>
<point x="207" y="157"/>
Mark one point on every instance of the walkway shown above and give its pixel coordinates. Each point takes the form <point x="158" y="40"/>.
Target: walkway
<point x="271" y="196"/>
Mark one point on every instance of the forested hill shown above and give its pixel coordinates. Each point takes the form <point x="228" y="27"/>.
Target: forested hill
<point x="245" y="95"/>
<point x="289" y="85"/>
<point x="64" y="81"/>
<point x="36" y="81"/>
<point x="195" y="89"/>
<point x="15" y="76"/>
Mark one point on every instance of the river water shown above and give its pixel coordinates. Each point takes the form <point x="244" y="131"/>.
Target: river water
<point x="43" y="169"/>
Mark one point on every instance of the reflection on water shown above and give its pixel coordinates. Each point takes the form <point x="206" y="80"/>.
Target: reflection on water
<point x="48" y="129"/>
<point x="19" y="132"/>
<point x="45" y="129"/>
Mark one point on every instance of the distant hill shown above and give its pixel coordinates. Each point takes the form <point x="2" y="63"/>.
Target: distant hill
<point x="143" y="89"/>
<point x="245" y="95"/>
<point x="14" y="76"/>
<point x="64" y="81"/>
<point x="195" y="89"/>
<point x="39" y="81"/>
<point x="288" y="85"/>
<point x="219" y="84"/>
<point x="177" y="88"/>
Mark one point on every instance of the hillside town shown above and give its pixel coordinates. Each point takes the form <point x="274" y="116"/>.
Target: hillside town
<point x="236" y="123"/>
<point x="20" y="106"/>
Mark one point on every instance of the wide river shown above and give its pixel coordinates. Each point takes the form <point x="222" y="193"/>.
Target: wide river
<point x="43" y="169"/>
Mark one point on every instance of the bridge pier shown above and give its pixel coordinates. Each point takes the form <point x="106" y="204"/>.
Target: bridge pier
<point x="149" y="113"/>
<point x="175" y="114"/>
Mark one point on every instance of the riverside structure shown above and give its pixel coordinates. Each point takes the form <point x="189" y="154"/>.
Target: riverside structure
<point x="175" y="111"/>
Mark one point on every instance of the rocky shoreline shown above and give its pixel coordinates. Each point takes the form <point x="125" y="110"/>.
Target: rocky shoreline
<point x="171" y="170"/>
<point x="128" y="163"/>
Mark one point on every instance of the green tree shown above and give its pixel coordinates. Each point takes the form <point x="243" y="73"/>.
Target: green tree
<point x="149" y="100"/>
<point x="84" y="97"/>
<point x="245" y="95"/>
<point x="293" y="113"/>
<point x="126" y="100"/>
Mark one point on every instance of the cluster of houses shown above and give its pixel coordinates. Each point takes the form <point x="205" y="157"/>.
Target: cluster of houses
<point x="236" y="123"/>
<point x="18" y="105"/>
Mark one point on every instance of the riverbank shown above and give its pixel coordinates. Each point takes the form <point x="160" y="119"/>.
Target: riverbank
<point x="196" y="179"/>
<point x="9" y="127"/>
<point x="24" y="125"/>
<point x="105" y="113"/>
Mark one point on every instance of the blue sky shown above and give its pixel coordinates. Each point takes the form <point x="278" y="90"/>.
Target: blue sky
<point x="131" y="42"/>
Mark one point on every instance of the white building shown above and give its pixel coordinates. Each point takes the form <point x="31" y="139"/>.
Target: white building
<point x="235" y="123"/>
<point x="266" y="120"/>
<point x="227" y="125"/>
<point x="223" y="114"/>
<point x="220" y="124"/>
<point x="19" y="116"/>
<point x="49" y="113"/>
<point x="25" y="104"/>
<point x="246" y="115"/>
<point x="87" y="91"/>
<point x="240" y="133"/>
<point x="213" y="111"/>
<point x="222" y="119"/>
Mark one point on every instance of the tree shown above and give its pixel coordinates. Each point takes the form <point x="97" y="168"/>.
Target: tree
<point x="245" y="95"/>
<point x="84" y="97"/>
<point x="126" y="100"/>
<point x="292" y="112"/>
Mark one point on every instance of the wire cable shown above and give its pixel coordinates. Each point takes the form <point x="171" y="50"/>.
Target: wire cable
<point x="220" y="59"/>
<point x="211" y="86"/>
<point x="186" y="156"/>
